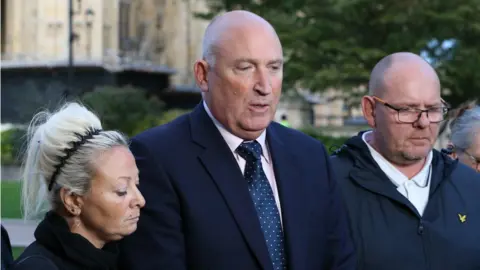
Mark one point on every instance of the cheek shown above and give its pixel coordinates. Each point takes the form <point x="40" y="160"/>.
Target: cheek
<point x="474" y="148"/>
<point x="389" y="127"/>
<point x="230" y="91"/>
<point x="236" y="96"/>
<point x="383" y="121"/>
<point x="395" y="135"/>
<point x="277" y="85"/>
<point x="240" y="87"/>
<point x="108" y="210"/>
<point x="118" y="209"/>
<point x="434" y="128"/>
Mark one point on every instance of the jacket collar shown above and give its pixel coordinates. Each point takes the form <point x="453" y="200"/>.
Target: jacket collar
<point x="368" y="174"/>
<point x="234" y="141"/>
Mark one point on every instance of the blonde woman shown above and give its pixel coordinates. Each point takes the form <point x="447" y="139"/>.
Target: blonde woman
<point x="82" y="180"/>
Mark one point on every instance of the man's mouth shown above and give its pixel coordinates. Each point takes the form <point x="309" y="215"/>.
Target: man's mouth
<point x="259" y="107"/>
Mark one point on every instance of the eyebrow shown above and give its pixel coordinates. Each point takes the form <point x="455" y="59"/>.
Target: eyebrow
<point x="416" y="105"/>
<point x="253" y="61"/>
<point x="276" y="61"/>
<point x="128" y="178"/>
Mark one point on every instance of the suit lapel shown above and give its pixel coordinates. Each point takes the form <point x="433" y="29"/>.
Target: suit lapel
<point x="220" y="163"/>
<point x="292" y="191"/>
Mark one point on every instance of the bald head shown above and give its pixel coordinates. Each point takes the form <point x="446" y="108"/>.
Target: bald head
<point x="399" y="68"/>
<point x="229" y="27"/>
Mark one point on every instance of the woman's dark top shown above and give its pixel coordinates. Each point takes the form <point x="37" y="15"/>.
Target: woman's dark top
<point x="58" y="248"/>
<point x="7" y="257"/>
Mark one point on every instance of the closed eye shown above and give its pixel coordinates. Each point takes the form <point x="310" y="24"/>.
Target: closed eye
<point x="121" y="193"/>
<point x="243" y="68"/>
<point x="406" y="109"/>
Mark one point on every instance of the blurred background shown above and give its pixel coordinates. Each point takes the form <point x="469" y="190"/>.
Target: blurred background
<point x="131" y="62"/>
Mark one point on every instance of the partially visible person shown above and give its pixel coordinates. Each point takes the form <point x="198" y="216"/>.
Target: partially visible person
<point x="410" y="206"/>
<point x="284" y="121"/>
<point x="6" y="249"/>
<point x="445" y="129"/>
<point x="85" y="179"/>
<point x="465" y="137"/>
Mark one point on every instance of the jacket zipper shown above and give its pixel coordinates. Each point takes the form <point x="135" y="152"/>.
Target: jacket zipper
<point x="420" y="231"/>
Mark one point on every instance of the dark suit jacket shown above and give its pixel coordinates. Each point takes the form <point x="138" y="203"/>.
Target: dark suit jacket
<point x="199" y="214"/>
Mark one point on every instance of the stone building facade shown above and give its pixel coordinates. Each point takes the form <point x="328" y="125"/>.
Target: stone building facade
<point x="160" y="32"/>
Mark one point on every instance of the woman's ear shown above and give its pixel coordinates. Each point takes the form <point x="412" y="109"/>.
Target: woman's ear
<point x="453" y="153"/>
<point x="72" y="202"/>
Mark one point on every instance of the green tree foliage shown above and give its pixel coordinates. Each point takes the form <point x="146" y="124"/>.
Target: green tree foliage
<point x="127" y="109"/>
<point x="157" y="120"/>
<point x="336" y="43"/>
<point x="331" y="143"/>
<point x="12" y="145"/>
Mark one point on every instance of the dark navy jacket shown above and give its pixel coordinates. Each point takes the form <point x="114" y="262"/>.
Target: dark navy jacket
<point x="199" y="213"/>
<point x="388" y="232"/>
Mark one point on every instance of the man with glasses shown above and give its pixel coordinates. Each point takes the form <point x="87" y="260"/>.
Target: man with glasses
<point x="410" y="206"/>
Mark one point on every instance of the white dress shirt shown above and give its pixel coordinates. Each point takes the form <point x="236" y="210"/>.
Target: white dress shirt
<point x="417" y="189"/>
<point x="234" y="142"/>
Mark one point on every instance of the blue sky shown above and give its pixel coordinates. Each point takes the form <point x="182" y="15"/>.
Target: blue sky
<point x="446" y="44"/>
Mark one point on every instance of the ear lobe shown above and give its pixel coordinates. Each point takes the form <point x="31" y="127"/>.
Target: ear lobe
<point x="368" y="109"/>
<point x="201" y="74"/>
<point x="72" y="202"/>
<point x="453" y="153"/>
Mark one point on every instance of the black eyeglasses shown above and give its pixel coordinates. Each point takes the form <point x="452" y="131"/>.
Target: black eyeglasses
<point x="412" y="115"/>
<point x="475" y="160"/>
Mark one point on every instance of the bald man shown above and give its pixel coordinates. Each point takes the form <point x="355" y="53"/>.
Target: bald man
<point x="227" y="188"/>
<point x="409" y="206"/>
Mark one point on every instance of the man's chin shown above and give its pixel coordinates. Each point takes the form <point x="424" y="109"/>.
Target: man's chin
<point x="257" y="125"/>
<point x="414" y="156"/>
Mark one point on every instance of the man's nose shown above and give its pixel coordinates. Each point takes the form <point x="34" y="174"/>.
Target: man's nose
<point x="263" y="83"/>
<point x="423" y="120"/>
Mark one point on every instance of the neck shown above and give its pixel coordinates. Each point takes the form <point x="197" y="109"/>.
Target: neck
<point x="232" y="128"/>
<point x="247" y="135"/>
<point x="80" y="229"/>
<point x="409" y="168"/>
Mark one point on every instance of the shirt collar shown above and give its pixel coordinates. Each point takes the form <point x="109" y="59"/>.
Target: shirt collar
<point x="397" y="177"/>
<point x="233" y="141"/>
